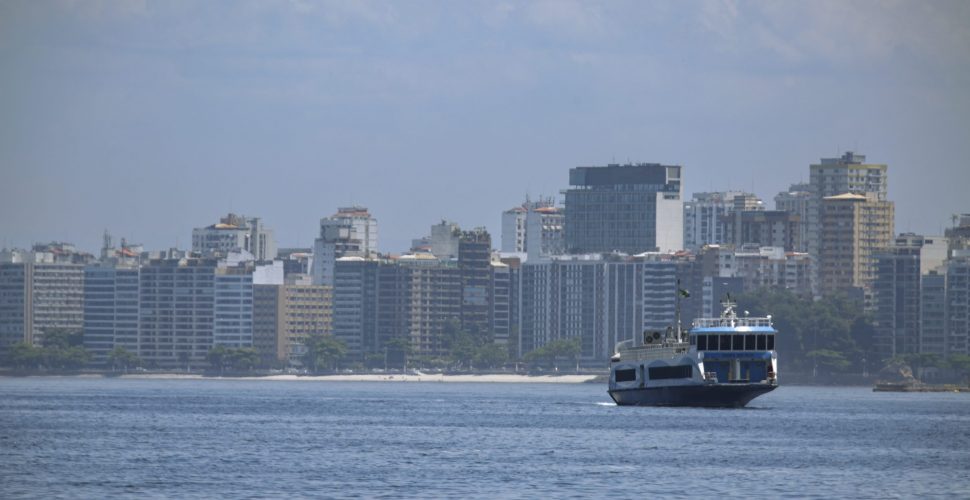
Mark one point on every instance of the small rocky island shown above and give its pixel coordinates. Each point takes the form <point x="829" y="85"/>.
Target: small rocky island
<point x="898" y="377"/>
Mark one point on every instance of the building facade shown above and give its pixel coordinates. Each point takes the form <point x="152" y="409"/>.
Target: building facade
<point x="798" y="200"/>
<point x="111" y="310"/>
<point x="235" y="232"/>
<point x="837" y="176"/>
<point x="958" y="303"/>
<point x="351" y="232"/>
<point x="284" y="316"/>
<point x="355" y="304"/>
<point x="854" y="228"/>
<point x="475" y="267"/>
<point x="762" y="228"/>
<point x="40" y="291"/>
<point x="702" y="216"/>
<point x="629" y="209"/>
<point x="603" y="300"/>
<point x="442" y="241"/>
<point x="534" y="221"/>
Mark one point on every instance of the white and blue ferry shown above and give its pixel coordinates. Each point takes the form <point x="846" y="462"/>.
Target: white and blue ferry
<point x="721" y="362"/>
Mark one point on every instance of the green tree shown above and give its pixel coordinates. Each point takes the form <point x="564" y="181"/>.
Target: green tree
<point x="550" y="354"/>
<point x="835" y="325"/>
<point x="960" y="363"/>
<point x="62" y="338"/>
<point x="463" y="350"/>
<point x="323" y="351"/>
<point x="63" y="349"/>
<point x="24" y="356"/>
<point x="398" y="350"/>
<point x="119" y="357"/>
<point x="243" y="358"/>
<point x="491" y="355"/>
<point x="217" y="357"/>
<point x="828" y="360"/>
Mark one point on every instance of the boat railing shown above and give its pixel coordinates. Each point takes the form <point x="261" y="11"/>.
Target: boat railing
<point x="731" y="322"/>
<point x="653" y="351"/>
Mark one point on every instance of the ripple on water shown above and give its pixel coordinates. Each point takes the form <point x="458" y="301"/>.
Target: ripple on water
<point x="83" y="438"/>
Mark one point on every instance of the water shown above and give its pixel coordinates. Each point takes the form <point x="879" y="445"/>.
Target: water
<point x="94" y="438"/>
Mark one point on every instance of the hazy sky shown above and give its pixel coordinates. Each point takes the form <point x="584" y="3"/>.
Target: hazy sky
<point x="151" y="118"/>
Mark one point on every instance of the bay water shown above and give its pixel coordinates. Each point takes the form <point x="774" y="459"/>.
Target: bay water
<point x="222" y="438"/>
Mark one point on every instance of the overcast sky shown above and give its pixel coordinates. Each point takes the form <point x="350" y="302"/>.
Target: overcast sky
<point x="151" y="118"/>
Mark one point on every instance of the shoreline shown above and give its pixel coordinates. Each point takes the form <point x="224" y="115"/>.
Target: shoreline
<point x="368" y="377"/>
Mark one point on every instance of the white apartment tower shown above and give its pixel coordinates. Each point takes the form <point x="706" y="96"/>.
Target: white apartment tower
<point x="534" y="221"/>
<point x="351" y="232"/>
<point x="235" y="232"/>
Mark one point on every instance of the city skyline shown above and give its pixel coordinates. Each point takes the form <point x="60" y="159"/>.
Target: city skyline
<point x="151" y="119"/>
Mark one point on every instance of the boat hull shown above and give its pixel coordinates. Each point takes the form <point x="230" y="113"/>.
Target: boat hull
<point x="707" y="395"/>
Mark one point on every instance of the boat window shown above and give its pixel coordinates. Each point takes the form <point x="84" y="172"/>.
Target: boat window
<point x="761" y="343"/>
<point x="693" y="339"/>
<point x="702" y="342"/>
<point x="738" y="342"/>
<point x="725" y="343"/>
<point x="665" y="372"/>
<point x="749" y="343"/>
<point x="626" y="375"/>
<point x="771" y="342"/>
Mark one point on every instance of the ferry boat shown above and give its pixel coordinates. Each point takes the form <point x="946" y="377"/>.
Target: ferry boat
<point x="720" y="362"/>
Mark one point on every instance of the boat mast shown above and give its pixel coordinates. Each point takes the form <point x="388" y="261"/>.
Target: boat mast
<point x="677" y="294"/>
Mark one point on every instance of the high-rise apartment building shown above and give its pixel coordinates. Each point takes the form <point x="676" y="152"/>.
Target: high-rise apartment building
<point x="702" y="216"/>
<point x="958" y="236"/>
<point x="629" y="209"/>
<point x="897" y="290"/>
<point x="853" y="229"/>
<point x="419" y="295"/>
<point x="235" y="232"/>
<point x="603" y="300"/>
<point x="513" y="229"/>
<point x="837" y="176"/>
<point x="233" y="325"/>
<point x="111" y="309"/>
<point x="41" y="290"/>
<point x="189" y="305"/>
<point x="536" y="227"/>
<point x="932" y="313"/>
<point x="775" y="268"/>
<point x="502" y="285"/>
<point x="351" y="232"/>
<point x="284" y="316"/>
<point x="798" y="200"/>
<point x="355" y="304"/>
<point x="442" y="242"/>
<point x="545" y="234"/>
<point x="475" y="267"/>
<point x="958" y="303"/>
<point x="750" y="268"/>
<point x="176" y="317"/>
<point x="772" y="228"/>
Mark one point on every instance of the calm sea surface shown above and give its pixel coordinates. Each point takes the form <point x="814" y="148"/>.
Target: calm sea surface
<point x="94" y="438"/>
